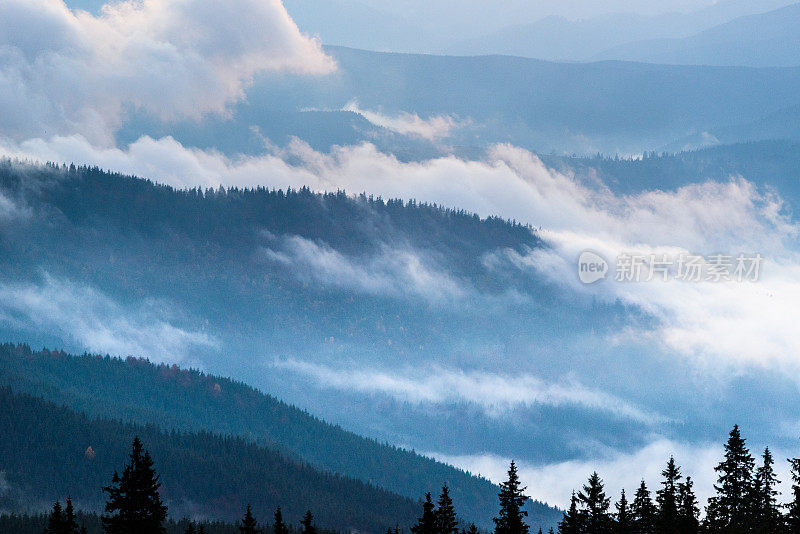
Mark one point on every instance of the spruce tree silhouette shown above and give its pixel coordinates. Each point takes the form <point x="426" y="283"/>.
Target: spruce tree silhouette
<point x="688" y="511"/>
<point x="510" y="520"/>
<point x="594" y="504"/>
<point x="249" y="524"/>
<point x="446" y="521"/>
<point x="278" y="526"/>
<point x="643" y="511"/>
<point x="55" y="521"/>
<point x="623" y="515"/>
<point x="572" y="522"/>
<point x="767" y="515"/>
<point x="667" y="498"/>
<point x="427" y="523"/>
<point x="730" y="511"/>
<point x="308" y="523"/>
<point x="134" y="505"/>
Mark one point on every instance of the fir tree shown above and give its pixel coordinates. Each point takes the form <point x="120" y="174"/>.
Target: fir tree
<point x="572" y="522"/>
<point x="308" y="523"/>
<point x="688" y="511"/>
<point x="249" y="524"/>
<point x="427" y="523"/>
<point x="730" y="510"/>
<point x="446" y="521"/>
<point x="511" y="517"/>
<point x="643" y="511"/>
<point x="793" y="508"/>
<point x="190" y="529"/>
<point x="278" y="526"/>
<point x="595" y="505"/>
<point x="623" y="515"/>
<point x="134" y="505"/>
<point x="55" y="521"/>
<point x="767" y="516"/>
<point x="70" y="522"/>
<point x="667" y="499"/>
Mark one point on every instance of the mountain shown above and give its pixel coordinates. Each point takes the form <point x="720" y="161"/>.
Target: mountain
<point x="175" y="399"/>
<point x="762" y="40"/>
<point x="539" y="105"/>
<point x="46" y="456"/>
<point x="559" y="38"/>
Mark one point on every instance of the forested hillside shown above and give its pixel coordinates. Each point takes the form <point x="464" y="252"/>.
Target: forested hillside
<point x="46" y="456"/>
<point x="190" y="401"/>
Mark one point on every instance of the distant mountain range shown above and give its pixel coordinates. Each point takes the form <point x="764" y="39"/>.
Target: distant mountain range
<point x="761" y="40"/>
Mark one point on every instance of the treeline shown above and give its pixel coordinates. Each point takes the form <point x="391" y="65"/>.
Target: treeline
<point x="50" y="452"/>
<point x="745" y="501"/>
<point x="190" y="401"/>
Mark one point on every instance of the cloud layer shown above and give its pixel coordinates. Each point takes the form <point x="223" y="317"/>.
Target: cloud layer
<point x="96" y="322"/>
<point x="64" y="72"/>
<point x="494" y="393"/>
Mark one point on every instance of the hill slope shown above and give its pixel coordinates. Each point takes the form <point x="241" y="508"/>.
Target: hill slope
<point x="43" y="448"/>
<point x="174" y="398"/>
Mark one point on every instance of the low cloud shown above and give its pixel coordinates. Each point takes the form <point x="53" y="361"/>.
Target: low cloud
<point x="496" y="394"/>
<point x="65" y="72"/>
<point x="393" y="272"/>
<point x="434" y="128"/>
<point x="717" y="324"/>
<point x="95" y="321"/>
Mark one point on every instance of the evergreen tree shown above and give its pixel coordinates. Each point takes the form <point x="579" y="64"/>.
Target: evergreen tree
<point x="767" y="515"/>
<point x="623" y="515"/>
<point x="134" y="505"/>
<point x="446" y="521"/>
<point x="55" y="521"/>
<point x="278" y="526"/>
<point x="70" y="522"/>
<point x="643" y="511"/>
<point x="190" y="529"/>
<point x="572" y="522"/>
<point x="249" y="524"/>
<point x="688" y="511"/>
<point x="793" y="508"/>
<point x="511" y="517"/>
<point x="595" y="505"/>
<point x="308" y="523"/>
<point x="730" y="510"/>
<point x="667" y="499"/>
<point x="427" y="523"/>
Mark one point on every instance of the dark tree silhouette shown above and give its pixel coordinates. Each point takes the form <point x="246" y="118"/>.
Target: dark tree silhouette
<point x="134" y="505"/>
<point x="573" y="520"/>
<point x="595" y="505"/>
<point x="511" y="517"/>
<point x="767" y="515"/>
<point x="278" y="525"/>
<point x="730" y="510"/>
<point x="667" y="499"/>
<point x="688" y="511"/>
<point x="446" y="521"/>
<point x="643" y="511"/>
<point x="623" y="515"/>
<point x="308" y="523"/>
<point x="249" y="525"/>
<point x="426" y="524"/>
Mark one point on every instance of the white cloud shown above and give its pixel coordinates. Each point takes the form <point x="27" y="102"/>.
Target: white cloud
<point x="554" y="483"/>
<point x="64" y="72"/>
<point x="432" y="129"/>
<point x="717" y="324"/>
<point x="96" y="321"/>
<point x="494" y="393"/>
<point x="395" y="272"/>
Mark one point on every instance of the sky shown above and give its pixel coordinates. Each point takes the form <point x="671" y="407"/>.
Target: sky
<point x="68" y="80"/>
